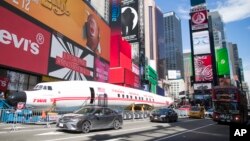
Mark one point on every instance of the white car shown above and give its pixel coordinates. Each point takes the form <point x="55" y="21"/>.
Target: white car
<point x="209" y="113"/>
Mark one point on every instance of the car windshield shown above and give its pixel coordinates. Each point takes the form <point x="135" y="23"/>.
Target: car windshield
<point x="210" y="110"/>
<point x="195" y="109"/>
<point x="86" y="110"/>
<point x="227" y="107"/>
<point x="160" y="111"/>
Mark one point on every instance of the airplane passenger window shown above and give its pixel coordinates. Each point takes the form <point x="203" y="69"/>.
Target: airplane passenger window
<point x="142" y="98"/>
<point x="49" y="88"/>
<point x="131" y="97"/>
<point x="136" y="97"/>
<point x="123" y="96"/>
<point x="118" y="95"/>
<point x="45" y="87"/>
<point x="127" y="96"/>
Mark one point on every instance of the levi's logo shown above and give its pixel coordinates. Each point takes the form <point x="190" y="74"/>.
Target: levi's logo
<point x="20" y="42"/>
<point x="3" y="83"/>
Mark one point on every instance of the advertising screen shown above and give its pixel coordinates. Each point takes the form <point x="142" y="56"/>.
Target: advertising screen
<point x="130" y="20"/>
<point x="202" y="86"/>
<point x="201" y="43"/>
<point x="23" y="45"/>
<point x="222" y="61"/>
<point x="72" y="18"/>
<point x="101" y="70"/>
<point x="199" y="20"/>
<point x="203" y="68"/>
<point x="69" y="61"/>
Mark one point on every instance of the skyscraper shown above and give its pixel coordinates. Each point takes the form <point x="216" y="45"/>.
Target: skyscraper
<point x="234" y="58"/>
<point x="162" y="72"/>
<point x="173" y="41"/>
<point x="218" y="28"/>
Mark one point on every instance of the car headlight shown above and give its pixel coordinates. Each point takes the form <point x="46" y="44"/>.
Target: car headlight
<point x="163" y="116"/>
<point x="74" y="119"/>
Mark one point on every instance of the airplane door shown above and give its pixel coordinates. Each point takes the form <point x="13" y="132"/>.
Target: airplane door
<point x="92" y="98"/>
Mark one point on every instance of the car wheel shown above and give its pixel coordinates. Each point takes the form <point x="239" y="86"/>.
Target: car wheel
<point x="116" y="124"/>
<point x="85" y="127"/>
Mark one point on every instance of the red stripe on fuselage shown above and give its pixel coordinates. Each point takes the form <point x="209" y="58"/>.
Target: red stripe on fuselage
<point x="109" y="98"/>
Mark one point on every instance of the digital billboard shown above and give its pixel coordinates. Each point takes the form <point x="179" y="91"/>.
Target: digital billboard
<point x="23" y="45"/>
<point x="197" y="2"/>
<point x="201" y="43"/>
<point x="199" y="20"/>
<point x="101" y="70"/>
<point x="130" y="20"/>
<point x="69" y="61"/>
<point x="202" y="86"/>
<point x="130" y="28"/>
<point x="203" y="68"/>
<point x="72" y="18"/>
<point x="222" y="61"/>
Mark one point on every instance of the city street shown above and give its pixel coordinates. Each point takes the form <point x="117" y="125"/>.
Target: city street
<point x="137" y="130"/>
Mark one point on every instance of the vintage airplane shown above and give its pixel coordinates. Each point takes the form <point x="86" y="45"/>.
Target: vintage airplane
<point x="70" y="95"/>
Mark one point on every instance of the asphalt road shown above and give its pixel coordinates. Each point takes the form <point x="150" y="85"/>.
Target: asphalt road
<point x="138" y="130"/>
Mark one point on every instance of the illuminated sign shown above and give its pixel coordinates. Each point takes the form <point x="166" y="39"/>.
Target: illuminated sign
<point x="69" y="61"/>
<point x="23" y="44"/>
<point x="199" y="20"/>
<point x="201" y="43"/>
<point x="203" y="68"/>
<point x="73" y="19"/>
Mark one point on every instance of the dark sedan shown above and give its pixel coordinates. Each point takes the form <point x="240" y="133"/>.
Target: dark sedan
<point x="163" y="115"/>
<point x="90" y="118"/>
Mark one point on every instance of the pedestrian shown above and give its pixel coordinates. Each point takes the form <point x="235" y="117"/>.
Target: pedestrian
<point x="1" y="95"/>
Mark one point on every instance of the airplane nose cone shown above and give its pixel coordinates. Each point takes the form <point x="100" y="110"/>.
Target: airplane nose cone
<point x="16" y="97"/>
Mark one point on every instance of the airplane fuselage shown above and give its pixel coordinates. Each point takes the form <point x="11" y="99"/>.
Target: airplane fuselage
<point x="65" y="95"/>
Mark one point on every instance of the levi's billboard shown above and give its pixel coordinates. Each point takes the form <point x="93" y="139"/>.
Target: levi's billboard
<point x="72" y="18"/>
<point x="23" y="45"/>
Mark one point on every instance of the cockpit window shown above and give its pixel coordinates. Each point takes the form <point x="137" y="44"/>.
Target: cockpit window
<point x="38" y="87"/>
<point x="42" y="87"/>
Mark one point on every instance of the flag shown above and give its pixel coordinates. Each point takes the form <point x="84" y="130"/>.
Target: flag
<point x="222" y="62"/>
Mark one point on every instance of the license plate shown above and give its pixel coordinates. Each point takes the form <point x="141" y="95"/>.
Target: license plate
<point x="60" y="124"/>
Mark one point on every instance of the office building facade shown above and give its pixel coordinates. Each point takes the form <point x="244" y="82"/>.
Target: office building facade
<point x="173" y="41"/>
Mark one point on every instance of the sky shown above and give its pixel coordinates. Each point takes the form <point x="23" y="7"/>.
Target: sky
<point x="235" y="15"/>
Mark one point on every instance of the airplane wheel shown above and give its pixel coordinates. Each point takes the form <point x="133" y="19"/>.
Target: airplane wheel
<point x="116" y="124"/>
<point x="85" y="127"/>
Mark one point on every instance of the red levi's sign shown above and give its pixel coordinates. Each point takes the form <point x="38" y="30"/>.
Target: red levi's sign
<point x="23" y="44"/>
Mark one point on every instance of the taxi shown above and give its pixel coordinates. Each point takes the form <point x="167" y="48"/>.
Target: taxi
<point x="197" y="112"/>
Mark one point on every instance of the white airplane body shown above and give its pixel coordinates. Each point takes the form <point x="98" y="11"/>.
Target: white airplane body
<point x="69" y="95"/>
